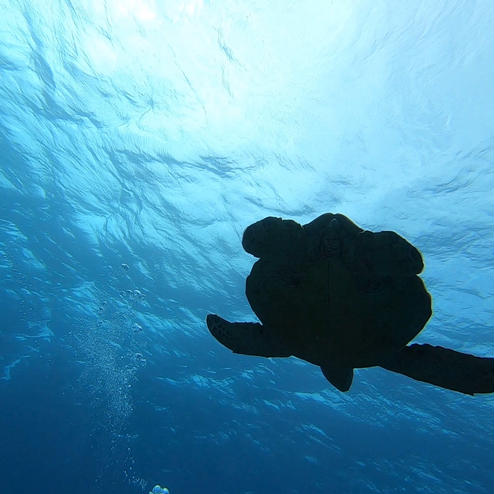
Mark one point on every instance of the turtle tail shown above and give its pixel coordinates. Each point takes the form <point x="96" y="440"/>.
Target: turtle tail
<point x="445" y="368"/>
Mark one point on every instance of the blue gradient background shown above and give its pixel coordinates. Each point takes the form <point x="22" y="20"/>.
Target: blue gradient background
<point x="150" y="134"/>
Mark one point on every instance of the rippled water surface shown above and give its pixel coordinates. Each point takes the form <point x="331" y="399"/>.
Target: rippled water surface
<point x="138" y="139"/>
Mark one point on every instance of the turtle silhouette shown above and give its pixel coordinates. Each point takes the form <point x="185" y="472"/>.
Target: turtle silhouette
<point x="341" y="297"/>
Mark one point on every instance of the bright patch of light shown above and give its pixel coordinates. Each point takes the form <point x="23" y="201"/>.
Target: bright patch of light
<point x="143" y="10"/>
<point x="100" y="53"/>
<point x="177" y="11"/>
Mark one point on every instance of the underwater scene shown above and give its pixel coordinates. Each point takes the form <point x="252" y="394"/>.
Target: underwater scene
<point x="139" y="139"/>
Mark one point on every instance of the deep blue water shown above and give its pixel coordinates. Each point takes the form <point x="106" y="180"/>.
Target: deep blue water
<point x="138" y="138"/>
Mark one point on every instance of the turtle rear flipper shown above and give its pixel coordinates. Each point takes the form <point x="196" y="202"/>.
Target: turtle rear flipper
<point x="445" y="368"/>
<point x="248" y="338"/>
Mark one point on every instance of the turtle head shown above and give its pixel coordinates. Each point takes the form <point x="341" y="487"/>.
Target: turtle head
<point x="273" y="237"/>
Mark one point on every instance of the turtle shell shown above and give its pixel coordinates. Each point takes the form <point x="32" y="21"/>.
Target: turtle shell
<point x="343" y="295"/>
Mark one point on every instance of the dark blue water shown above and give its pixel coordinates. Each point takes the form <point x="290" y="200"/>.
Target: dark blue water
<point x="138" y="139"/>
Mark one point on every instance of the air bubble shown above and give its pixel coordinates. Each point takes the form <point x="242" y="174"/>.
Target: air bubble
<point x="159" y="490"/>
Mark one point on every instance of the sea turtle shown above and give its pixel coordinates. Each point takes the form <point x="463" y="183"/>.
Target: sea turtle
<point x="341" y="297"/>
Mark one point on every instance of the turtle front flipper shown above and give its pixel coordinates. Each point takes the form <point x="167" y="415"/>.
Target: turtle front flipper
<point x="248" y="338"/>
<point x="445" y="368"/>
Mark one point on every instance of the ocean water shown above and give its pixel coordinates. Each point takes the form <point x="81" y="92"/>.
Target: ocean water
<point x="138" y="138"/>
